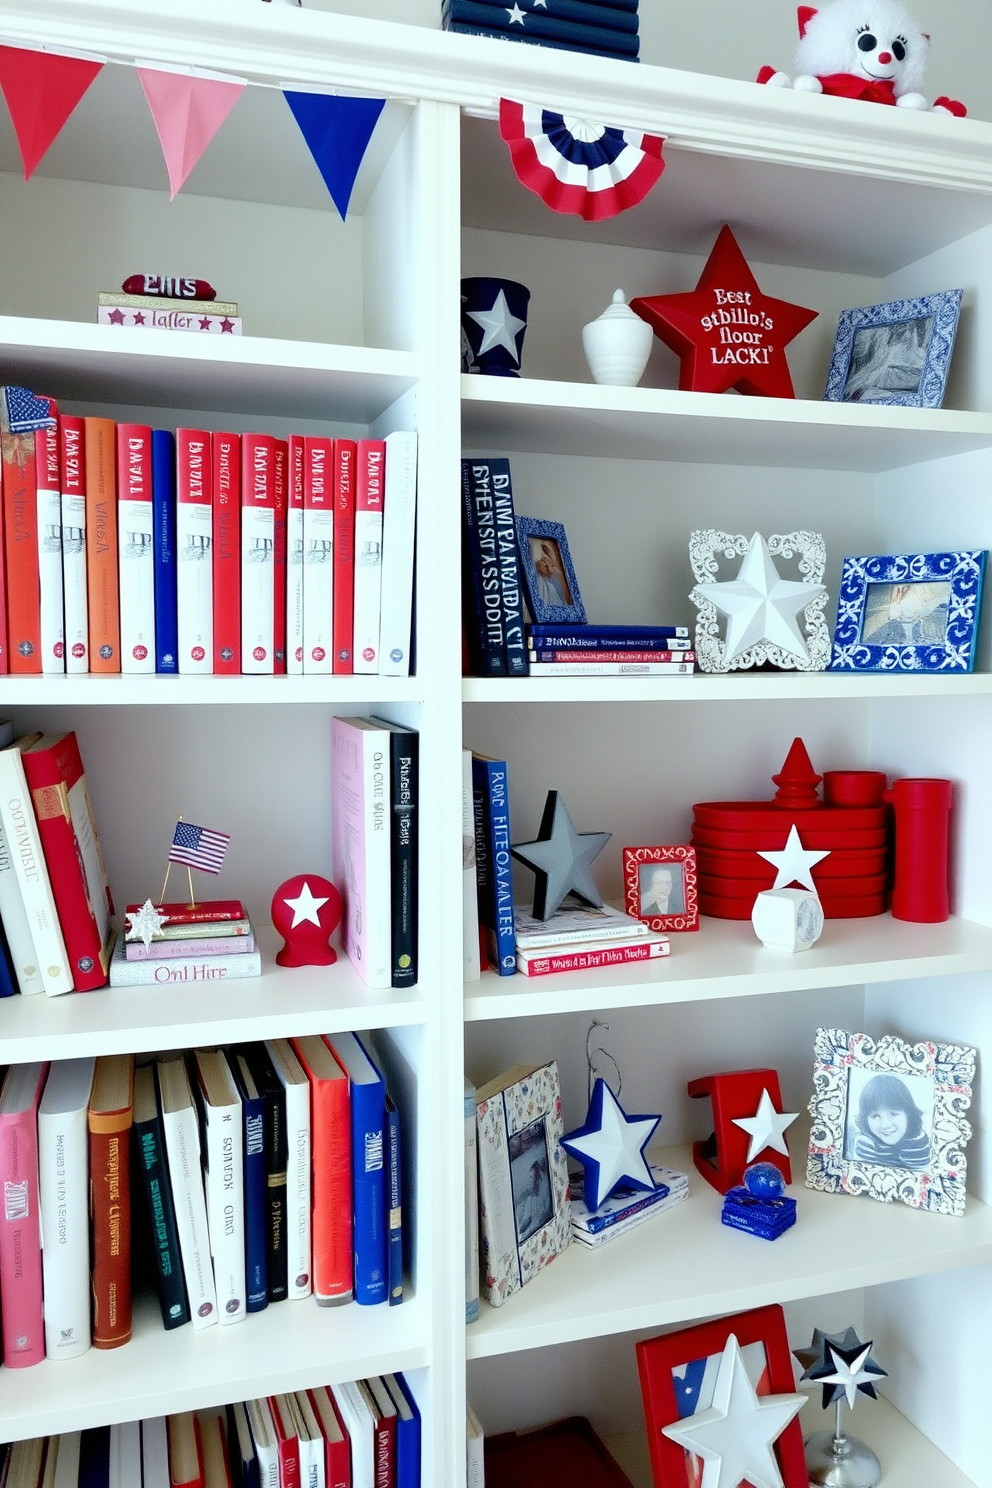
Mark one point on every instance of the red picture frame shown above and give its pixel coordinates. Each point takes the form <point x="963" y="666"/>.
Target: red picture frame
<point x="638" y="865"/>
<point x="657" y="1360"/>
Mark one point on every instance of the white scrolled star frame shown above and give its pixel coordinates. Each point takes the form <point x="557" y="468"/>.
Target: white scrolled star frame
<point x="810" y="552"/>
<point x="940" y="1187"/>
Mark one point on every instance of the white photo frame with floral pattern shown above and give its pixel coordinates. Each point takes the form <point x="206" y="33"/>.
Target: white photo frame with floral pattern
<point x="706" y="548"/>
<point x="889" y="1119"/>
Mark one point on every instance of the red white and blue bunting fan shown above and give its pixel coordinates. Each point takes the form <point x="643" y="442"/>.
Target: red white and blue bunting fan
<point x="580" y="166"/>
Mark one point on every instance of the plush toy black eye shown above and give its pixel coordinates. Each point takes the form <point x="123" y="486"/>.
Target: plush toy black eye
<point x="899" y="51"/>
<point x="867" y="42"/>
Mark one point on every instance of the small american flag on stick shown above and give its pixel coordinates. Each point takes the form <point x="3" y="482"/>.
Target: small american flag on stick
<point x="198" y="847"/>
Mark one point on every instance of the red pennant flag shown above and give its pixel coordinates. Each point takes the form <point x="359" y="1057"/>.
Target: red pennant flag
<point x="188" y="111"/>
<point x="41" y="89"/>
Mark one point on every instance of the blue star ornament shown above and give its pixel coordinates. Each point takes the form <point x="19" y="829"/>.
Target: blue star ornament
<point x="561" y="859"/>
<point x="610" y="1147"/>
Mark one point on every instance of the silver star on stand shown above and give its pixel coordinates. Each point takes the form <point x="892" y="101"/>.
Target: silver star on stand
<point x="561" y="859"/>
<point x="145" y="923"/>
<point x="760" y="605"/>
<point x="842" y="1364"/>
<point x="500" y="327"/>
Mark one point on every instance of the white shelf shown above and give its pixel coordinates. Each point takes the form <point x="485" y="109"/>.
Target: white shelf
<point x="281" y="1003"/>
<point x="575" y="418"/>
<point x="685" y="1264"/>
<point x="737" y="687"/>
<point x="725" y="959"/>
<point x="94" y="690"/>
<point x="289" y="1346"/>
<point x="907" y="1457"/>
<point x="173" y="369"/>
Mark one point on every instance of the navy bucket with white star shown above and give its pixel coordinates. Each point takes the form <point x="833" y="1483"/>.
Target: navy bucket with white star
<point x="494" y="319"/>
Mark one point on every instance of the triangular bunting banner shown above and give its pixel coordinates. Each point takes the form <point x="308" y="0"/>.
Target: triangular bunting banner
<point x="188" y="111"/>
<point x="337" y="131"/>
<point x="41" y="89"/>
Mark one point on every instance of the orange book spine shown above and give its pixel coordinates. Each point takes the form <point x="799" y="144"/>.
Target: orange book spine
<point x="20" y="532"/>
<point x="331" y="1226"/>
<point x="101" y="545"/>
<point x="110" y="1218"/>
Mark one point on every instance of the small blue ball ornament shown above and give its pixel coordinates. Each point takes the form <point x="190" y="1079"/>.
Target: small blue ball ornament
<point x="764" y="1181"/>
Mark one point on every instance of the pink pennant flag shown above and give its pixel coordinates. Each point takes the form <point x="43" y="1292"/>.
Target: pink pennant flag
<point x="188" y="111"/>
<point x="41" y="89"/>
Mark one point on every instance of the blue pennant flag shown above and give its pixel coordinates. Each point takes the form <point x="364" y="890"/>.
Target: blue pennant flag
<point x="337" y="131"/>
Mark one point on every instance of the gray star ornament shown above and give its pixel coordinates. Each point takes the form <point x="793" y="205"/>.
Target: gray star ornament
<point x="561" y="859"/>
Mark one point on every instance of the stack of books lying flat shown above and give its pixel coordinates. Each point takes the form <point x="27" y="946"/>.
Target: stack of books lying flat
<point x="626" y="1208"/>
<point x="580" y="938"/>
<point x="159" y="312"/>
<point x="609" y="651"/>
<point x="209" y="942"/>
<point x="604" y="28"/>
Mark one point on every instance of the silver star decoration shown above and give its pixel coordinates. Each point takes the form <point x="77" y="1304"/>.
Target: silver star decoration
<point x="766" y="1127"/>
<point x="842" y="1364"/>
<point x="144" y="923"/>
<point x="561" y="859"/>
<point x="735" y="1436"/>
<point x="616" y="1146"/>
<point x="500" y="327"/>
<point x="794" y="863"/>
<point x="761" y="606"/>
<point x="516" y="15"/>
<point x="305" y="907"/>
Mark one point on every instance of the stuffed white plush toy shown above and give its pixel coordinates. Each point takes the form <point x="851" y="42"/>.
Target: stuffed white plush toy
<point x="867" y="49"/>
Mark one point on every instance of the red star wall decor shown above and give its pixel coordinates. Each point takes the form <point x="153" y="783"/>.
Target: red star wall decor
<point x="727" y="333"/>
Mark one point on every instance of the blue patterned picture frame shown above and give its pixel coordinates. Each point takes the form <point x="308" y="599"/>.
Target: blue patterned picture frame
<point x="855" y="1079"/>
<point x="909" y="612"/>
<point x="897" y="353"/>
<point x="549" y="578"/>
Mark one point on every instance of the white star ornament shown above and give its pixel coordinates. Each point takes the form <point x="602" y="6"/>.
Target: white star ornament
<point x="849" y="1375"/>
<point x="500" y="327"/>
<point x="611" y="1147"/>
<point x="516" y="15"/>
<point x="761" y="606"/>
<point x="145" y="923"/>
<point x="766" y="1127"/>
<point x="306" y="907"/>
<point x="794" y="863"/>
<point x="735" y="1436"/>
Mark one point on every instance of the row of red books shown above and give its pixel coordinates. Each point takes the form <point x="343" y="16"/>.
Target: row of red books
<point x="230" y="1179"/>
<point x="358" y="1434"/>
<point x="132" y="549"/>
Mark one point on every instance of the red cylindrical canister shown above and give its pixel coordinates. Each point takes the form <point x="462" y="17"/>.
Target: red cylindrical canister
<point x="922" y="809"/>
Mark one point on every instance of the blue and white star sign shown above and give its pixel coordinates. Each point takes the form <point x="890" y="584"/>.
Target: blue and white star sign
<point x="610" y="1147"/>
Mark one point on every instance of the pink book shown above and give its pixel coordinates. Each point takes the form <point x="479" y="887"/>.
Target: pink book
<point x="360" y="840"/>
<point x="20" y="1231"/>
<point x="136" y="547"/>
<point x="226" y="453"/>
<point x="281" y="503"/>
<point x="345" y="455"/>
<point x="258" y="517"/>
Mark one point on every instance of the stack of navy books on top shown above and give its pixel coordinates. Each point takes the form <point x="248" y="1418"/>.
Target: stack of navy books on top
<point x="606" y="28"/>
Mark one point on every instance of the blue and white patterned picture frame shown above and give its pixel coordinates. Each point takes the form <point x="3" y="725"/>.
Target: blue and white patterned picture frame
<point x="549" y="578"/>
<point x="897" y="353"/>
<point x="909" y="612"/>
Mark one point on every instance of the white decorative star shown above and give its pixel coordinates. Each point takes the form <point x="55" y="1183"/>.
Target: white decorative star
<point x="500" y="326"/>
<point x="734" y="1437"/>
<point x="766" y="1127"/>
<point x="849" y="1375"/>
<point x="761" y="606"/>
<point x="516" y="15"/>
<point x="794" y="863"/>
<point x="305" y="907"/>
<point x="144" y="923"/>
<point x="613" y="1141"/>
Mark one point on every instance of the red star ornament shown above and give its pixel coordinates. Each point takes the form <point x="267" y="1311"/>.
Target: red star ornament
<point x="727" y="333"/>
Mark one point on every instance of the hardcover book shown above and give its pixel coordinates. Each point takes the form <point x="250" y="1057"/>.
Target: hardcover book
<point x="345" y="457"/>
<point x="72" y="447"/>
<point x="360" y="755"/>
<point x="170" y="320"/>
<point x="213" y="1444"/>
<point x="385" y="1417"/>
<point x="356" y="1413"/>
<point x="185" y="1450"/>
<point x="266" y="1445"/>
<point x="287" y="1442"/>
<point x="182" y="1145"/>
<point x="470" y="895"/>
<point x="136" y="547"/>
<point x="394" y="1205"/>
<point x="63" y="1164"/>
<point x="102" y="565"/>
<point x="295" y="555"/>
<point x="125" y="1454"/>
<point x="241" y="1447"/>
<point x="110" y="1118"/>
<point x="153" y="1166"/>
<point x="591" y="955"/>
<point x="370" y="505"/>
<point x="230" y="968"/>
<point x="49" y="475"/>
<point x="270" y="1087"/>
<point x="508" y="558"/>
<point x="330" y="1098"/>
<point x="624" y="1204"/>
<point x="337" y="1448"/>
<point x="280" y="468"/>
<point x="471" y="1207"/>
<point x="482" y="601"/>
<point x="19" y="486"/>
<point x="255" y="1182"/>
<point x="154" y="1454"/>
<point x="318" y="555"/>
<point x="493" y="865"/>
<point x="20" y="831"/>
<point x="222" y="1147"/>
<point x="164" y="516"/>
<point x="226" y="456"/>
<point x="258" y="549"/>
<point x="398" y="531"/>
<point x="573" y="923"/>
<point x="194" y="543"/>
<point x="524" y="1216"/>
<point x="368" y="1178"/>
<point x="309" y="1441"/>
<point x="408" y="1431"/>
<point x="17" y="930"/>
<point x="404" y="773"/>
<point x="20" y="1226"/>
<point x="296" y="1091"/>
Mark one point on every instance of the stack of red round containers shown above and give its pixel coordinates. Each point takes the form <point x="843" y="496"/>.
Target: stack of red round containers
<point x="852" y="823"/>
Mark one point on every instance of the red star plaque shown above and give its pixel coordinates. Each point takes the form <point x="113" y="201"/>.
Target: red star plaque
<point x="728" y="334"/>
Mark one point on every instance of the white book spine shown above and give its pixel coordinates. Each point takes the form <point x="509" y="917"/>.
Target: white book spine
<point x="318" y="588"/>
<point x="226" y="1209"/>
<point x="358" y="1419"/>
<point x="257" y="589"/>
<point x="154" y="1453"/>
<point x="67" y="1467"/>
<point x="21" y="833"/>
<point x="475" y="1445"/>
<point x="369" y="505"/>
<point x="195" y="586"/>
<point x="125" y="1455"/>
<point x="63" y="1171"/>
<point x="15" y="924"/>
<point x="312" y="1465"/>
<point x="472" y="969"/>
<point x="136" y="554"/>
<point x="182" y="1146"/>
<point x="50" y="552"/>
<point x="76" y="602"/>
<point x="294" y="589"/>
<point x="399" y="526"/>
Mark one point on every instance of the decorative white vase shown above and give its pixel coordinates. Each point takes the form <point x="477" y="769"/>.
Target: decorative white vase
<point x="617" y="344"/>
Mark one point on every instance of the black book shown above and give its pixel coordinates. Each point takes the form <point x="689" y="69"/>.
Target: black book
<point x="269" y="1086"/>
<point x="149" y="1146"/>
<point x="509" y="569"/>
<point x="482" y="600"/>
<point x="241" y="1448"/>
<point x="404" y="767"/>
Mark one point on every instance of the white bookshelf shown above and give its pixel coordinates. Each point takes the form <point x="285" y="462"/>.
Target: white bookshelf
<point x="353" y="328"/>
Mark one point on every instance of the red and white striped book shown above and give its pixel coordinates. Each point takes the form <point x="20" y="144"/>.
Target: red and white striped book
<point x="49" y="475"/>
<point x="226" y="456"/>
<point x="258" y="513"/>
<point x="370" y="498"/>
<point x="345" y="457"/>
<point x="318" y="549"/>
<point x="75" y="603"/>
<point x="281" y="490"/>
<point x="136" y="547"/>
<point x="294" y="555"/>
<point x="194" y="541"/>
<point x="589" y="957"/>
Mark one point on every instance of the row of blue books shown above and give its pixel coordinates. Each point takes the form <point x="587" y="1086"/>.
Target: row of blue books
<point x="605" y="28"/>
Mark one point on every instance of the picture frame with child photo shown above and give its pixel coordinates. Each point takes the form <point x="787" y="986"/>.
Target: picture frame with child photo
<point x="889" y="1119"/>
